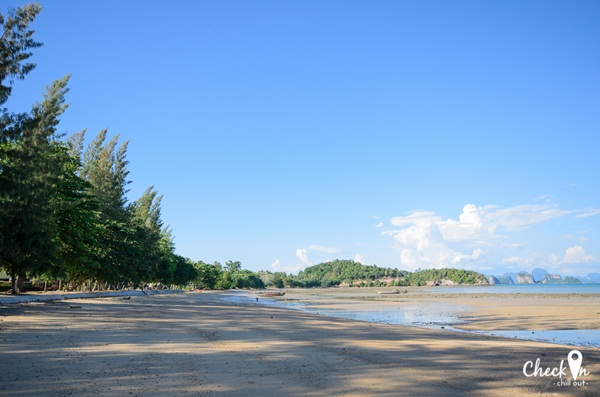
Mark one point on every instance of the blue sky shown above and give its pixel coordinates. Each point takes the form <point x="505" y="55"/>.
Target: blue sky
<point x="399" y="133"/>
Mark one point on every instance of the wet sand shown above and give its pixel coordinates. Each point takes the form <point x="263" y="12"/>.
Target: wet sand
<point x="197" y="344"/>
<point x="477" y="311"/>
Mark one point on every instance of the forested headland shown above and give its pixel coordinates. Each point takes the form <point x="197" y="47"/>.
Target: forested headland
<point x="66" y="221"/>
<point x="351" y="273"/>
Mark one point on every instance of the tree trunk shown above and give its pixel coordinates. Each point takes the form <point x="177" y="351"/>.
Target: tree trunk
<point x="45" y="285"/>
<point x="20" y="284"/>
<point x="13" y="285"/>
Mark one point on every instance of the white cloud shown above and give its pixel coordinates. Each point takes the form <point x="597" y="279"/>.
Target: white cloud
<point x="576" y="254"/>
<point x="360" y="259"/>
<point x="424" y="239"/>
<point x="302" y="254"/>
<point x="476" y="254"/>
<point x="523" y="216"/>
<point x="471" y="225"/>
<point x="423" y="245"/>
<point x="276" y="265"/>
<point x="588" y="212"/>
<point x="286" y="269"/>
<point x="554" y="263"/>
<point x="379" y="225"/>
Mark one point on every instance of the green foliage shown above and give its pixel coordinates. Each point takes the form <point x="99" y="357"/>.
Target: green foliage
<point x="334" y="273"/>
<point x="30" y="168"/>
<point x="208" y="275"/>
<point x="246" y="279"/>
<point x="77" y="222"/>
<point x="224" y="281"/>
<point x="278" y="280"/>
<point x="233" y="267"/>
<point x="422" y="277"/>
<point x="157" y="249"/>
<point x="104" y="167"/>
<point x="230" y="276"/>
<point x="329" y="274"/>
<point x="15" y="41"/>
<point x="341" y="271"/>
<point x="185" y="271"/>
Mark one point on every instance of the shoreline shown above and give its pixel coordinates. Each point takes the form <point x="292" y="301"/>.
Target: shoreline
<point x="200" y="344"/>
<point x="524" y="316"/>
<point x="553" y="317"/>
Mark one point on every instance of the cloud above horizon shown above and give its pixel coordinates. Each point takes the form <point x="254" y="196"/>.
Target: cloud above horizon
<point x="278" y="267"/>
<point x="424" y="239"/>
<point x="323" y="254"/>
<point x="302" y="254"/>
<point x="574" y="261"/>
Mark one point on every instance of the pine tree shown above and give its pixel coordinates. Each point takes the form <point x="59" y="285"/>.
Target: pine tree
<point x="148" y="225"/>
<point x="16" y="40"/>
<point x="77" y="218"/>
<point x="29" y="172"/>
<point x="104" y="167"/>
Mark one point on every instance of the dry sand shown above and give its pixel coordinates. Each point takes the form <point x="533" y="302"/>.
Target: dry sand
<point x="196" y="344"/>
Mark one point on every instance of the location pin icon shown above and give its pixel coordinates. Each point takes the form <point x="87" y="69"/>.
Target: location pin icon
<point x="575" y="359"/>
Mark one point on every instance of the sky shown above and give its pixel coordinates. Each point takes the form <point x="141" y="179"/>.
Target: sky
<point x="405" y="134"/>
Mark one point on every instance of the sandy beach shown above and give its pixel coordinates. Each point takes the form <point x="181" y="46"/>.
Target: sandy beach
<point x="198" y="344"/>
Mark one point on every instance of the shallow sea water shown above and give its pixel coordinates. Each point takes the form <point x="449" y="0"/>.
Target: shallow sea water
<point x="438" y="316"/>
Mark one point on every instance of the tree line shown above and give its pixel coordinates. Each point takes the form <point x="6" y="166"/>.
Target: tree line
<point x="458" y="276"/>
<point x="63" y="208"/>
<point x="351" y="273"/>
<point x="328" y="274"/>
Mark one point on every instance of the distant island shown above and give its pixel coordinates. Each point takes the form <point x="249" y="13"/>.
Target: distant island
<point x="542" y="276"/>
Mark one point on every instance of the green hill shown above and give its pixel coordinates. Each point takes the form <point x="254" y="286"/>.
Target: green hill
<point x="334" y="273"/>
<point x="349" y="272"/>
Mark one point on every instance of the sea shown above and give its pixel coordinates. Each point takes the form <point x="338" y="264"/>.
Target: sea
<point x="446" y="317"/>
